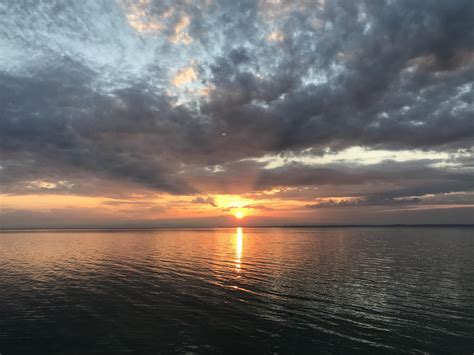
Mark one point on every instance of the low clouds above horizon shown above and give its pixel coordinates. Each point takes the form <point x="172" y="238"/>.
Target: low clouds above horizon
<point x="330" y="104"/>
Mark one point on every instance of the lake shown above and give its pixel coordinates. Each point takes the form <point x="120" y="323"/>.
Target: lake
<point x="237" y="290"/>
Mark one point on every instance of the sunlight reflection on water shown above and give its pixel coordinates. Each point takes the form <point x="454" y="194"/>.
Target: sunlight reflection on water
<point x="273" y="290"/>
<point x="239" y="235"/>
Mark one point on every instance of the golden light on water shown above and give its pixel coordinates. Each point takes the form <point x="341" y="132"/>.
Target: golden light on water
<point x="239" y="235"/>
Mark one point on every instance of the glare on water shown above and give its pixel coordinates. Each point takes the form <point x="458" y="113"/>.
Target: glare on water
<point x="239" y="235"/>
<point x="277" y="290"/>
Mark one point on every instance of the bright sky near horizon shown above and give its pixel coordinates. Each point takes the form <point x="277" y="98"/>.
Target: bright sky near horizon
<point x="160" y="113"/>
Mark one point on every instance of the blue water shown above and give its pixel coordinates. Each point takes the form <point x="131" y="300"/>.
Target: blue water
<point x="269" y="290"/>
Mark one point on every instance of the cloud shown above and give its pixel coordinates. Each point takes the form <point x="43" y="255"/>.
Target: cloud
<point x="179" y="35"/>
<point x="104" y="95"/>
<point x="275" y="36"/>
<point x="258" y="207"/>
<point x="205" y="200"/>
<point x="369" y="201"/>
<point x="184" y="76"/>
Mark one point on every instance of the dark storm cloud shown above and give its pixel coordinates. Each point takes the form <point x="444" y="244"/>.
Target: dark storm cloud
<point x="91" y="96"/>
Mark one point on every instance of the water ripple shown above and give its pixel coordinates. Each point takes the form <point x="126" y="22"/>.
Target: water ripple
<point x="223" y="290"/>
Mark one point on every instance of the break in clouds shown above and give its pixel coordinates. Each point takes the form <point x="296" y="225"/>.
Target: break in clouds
<point x="115" y="98"/>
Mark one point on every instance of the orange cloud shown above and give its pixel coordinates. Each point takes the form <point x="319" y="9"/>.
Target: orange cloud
<point x="275" y="36"/>
<point x="180" y="35"/>
<point x="139" y="18"/>
<point x="184" y="76"/>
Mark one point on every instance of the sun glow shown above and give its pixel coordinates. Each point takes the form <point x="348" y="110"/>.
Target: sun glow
<point x="239" y="215"/>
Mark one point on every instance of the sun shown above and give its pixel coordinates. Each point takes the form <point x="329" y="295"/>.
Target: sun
<point x="239" y="215"/>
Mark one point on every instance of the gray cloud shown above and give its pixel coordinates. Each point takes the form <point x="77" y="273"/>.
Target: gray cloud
<point x="87" y="96"/>
<point x="370" y="201"/>
<point x="205" y="201"/>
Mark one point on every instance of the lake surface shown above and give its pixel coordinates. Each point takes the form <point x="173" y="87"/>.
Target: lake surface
<point x="241" y="290"/>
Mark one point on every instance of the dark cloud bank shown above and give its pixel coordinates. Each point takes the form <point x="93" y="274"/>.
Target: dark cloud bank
<point x="88" y="99"/>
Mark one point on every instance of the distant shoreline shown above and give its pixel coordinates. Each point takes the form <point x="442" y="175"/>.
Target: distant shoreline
<point x="329" y="226"/>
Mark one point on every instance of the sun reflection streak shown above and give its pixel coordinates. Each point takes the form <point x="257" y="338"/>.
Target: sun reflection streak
<point x="238" y="248"/>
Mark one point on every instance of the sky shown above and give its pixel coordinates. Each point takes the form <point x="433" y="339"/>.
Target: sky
<point x="189" y="113"/>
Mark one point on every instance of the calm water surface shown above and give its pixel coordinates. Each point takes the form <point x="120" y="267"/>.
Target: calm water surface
<point x="276" y="290"/>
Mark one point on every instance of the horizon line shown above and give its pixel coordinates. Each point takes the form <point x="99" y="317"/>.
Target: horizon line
<point x="394" y="225"/>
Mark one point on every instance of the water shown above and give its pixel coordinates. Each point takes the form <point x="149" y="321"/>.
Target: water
<point x="277" y="290"/>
